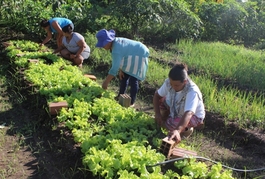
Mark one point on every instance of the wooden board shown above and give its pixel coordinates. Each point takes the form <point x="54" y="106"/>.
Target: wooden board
<point x="170" y="150"/>
<point x="55" y="107"/>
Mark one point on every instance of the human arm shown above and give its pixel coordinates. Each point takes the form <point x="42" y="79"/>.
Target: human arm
<point x="116" y="59"/>
<point x="156" y="103"/>
<point x="82" y="45"/>
<point x="57" y="27"/>
<point x="191" y="104"/>
<point x="184" y="121"/>
<point x="106" y="81"/>
<point x="59" y="31"/>
<point x="48" y="37"/>
<point x="160" y="95"/>
<point x="121" y="74"/>
<point x="59" y="49"/>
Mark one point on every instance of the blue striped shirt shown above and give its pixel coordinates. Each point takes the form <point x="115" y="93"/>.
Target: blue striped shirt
<point x="130" y="56"/>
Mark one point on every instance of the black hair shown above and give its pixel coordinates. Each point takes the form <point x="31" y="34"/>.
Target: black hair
<point x="179" y="72"/>
<point x="67" y="29"/>
<point x="44" y="23"/>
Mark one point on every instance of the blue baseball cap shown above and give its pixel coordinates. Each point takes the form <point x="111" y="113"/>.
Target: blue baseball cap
<point x="104" y="37"/>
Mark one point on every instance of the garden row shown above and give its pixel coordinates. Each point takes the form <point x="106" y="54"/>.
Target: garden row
<point x="116" y="142"/>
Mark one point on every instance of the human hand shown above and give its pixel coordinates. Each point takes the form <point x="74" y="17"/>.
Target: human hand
<point x="174" y="135"/>
<point x="121" y="75"/>
<point x="72" y="56"/>
<point x="105" y="85"/>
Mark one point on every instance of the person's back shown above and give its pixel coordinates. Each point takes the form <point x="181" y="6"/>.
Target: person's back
<point x="129" y="47"/>
<point x="61" y="21"/>
<point x="55" y="26"/>
<point x="130" y="56"/>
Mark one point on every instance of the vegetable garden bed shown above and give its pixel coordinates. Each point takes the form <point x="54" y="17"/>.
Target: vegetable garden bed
<point x="116" y="142"/>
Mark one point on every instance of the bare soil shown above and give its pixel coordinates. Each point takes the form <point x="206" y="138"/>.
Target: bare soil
<point x="32" y="147"/>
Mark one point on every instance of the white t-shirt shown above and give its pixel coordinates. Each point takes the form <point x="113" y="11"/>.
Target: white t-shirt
<point x="192" y="101"/>
<point x="72" y="46"/>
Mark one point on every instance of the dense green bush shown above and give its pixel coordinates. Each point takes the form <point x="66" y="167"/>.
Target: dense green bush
<point x="148" y="20"/>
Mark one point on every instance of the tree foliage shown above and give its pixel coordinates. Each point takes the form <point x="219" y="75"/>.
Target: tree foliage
<point x="156" y="21"/>
<point x="221" y="21"/>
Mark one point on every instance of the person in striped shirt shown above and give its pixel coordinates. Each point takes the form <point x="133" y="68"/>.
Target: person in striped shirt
<point x="129" y="60"/>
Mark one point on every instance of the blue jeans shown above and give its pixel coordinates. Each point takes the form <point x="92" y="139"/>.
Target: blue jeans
<point x="134" y="84"/>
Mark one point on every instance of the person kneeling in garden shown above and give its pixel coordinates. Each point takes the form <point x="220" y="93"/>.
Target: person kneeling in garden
<point x="178" y="104"/>
<point x="74" y="47"/>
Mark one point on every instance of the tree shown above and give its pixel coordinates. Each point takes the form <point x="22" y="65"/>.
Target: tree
<point x="222" y="21"/>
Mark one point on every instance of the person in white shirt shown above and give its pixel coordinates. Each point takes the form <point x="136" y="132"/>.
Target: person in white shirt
<point x="74" y="47"/>
<point x="178" y="104"/>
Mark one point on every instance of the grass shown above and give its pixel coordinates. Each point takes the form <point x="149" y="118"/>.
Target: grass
<point x="156" y="73"/>
<point x="242" y="65"/>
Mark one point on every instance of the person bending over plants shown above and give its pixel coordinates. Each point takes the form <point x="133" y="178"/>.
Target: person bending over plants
<point x="74" y="47"/>
<point x="55" y="25"/>
<point x="129" y="59"/>
<point x="178" y="104"/>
